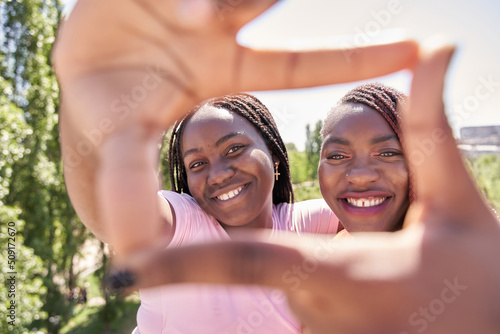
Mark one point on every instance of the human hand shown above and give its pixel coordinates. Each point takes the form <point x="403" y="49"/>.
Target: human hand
<point x="438" y="275"/>
<point x="129" y="68"/>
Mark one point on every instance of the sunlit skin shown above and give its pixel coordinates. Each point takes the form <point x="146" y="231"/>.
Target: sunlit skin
<point x="230" y="169"/>
<point x="362" y="172"/>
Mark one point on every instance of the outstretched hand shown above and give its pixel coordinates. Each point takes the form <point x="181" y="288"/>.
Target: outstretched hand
<point x="439" y="275"/>
<point x="129" y="68"/>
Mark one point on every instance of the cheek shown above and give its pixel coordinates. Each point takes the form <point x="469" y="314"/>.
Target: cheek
<point x="259" y="161"/>
<point x="194" y="183"/>
<point x="400" y="177"/>
<point x="329" y="177"/>
<point x="322" y="176"/>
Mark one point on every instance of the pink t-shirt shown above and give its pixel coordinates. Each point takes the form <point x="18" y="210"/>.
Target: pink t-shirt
<point x="212" y="309"/>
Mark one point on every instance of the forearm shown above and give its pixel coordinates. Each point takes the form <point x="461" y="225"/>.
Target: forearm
<point x="80" y="176"/>
<point x="104" y="194"/>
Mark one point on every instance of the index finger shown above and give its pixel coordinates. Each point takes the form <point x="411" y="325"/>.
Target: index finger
<point x="442" y="182"/>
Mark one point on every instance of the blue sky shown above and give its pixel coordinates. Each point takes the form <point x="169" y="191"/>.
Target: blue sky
<point x="473" y="84"/>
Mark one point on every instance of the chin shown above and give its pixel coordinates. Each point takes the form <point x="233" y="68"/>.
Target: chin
<point x="364" y="226"/>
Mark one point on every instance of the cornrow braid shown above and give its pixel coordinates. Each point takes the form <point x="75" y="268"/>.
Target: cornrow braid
<point x="385" y="100"/>
<point x="253" y="110"/>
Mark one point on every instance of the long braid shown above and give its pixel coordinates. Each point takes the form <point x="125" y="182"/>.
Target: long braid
<point x="385" y="100"/>
<point x="250" y="108"/>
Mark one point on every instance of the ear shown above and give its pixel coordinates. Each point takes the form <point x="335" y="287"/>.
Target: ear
<point x="276" y="160"/>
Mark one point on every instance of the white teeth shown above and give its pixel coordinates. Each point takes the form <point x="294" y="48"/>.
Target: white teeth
<point x="365" y="202"/>
<point x="229" y="195"/>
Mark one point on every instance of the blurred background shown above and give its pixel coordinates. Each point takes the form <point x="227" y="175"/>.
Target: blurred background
<point x="59" y="265"/>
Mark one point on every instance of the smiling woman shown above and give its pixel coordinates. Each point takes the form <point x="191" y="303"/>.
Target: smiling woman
<point x="363" y="174"/>
<point x="229" y="170"/>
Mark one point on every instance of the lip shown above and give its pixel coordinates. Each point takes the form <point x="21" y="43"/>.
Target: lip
<point x="364" y="194"/>
<point x="228" y="189"/>
<point x="364" y="211"/>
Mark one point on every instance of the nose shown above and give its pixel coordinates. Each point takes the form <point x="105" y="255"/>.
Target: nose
<point x="362" y="174"/>
<point x="219" y="173"/>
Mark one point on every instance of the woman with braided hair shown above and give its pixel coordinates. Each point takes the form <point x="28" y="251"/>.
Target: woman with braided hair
<point x="229" y="171"/>
<point x="363" y="173"/>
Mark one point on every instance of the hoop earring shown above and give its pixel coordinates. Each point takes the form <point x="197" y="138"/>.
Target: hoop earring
<point x="276" y="173"/>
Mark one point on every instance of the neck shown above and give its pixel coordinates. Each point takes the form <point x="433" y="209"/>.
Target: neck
<point x="263" y="221"/>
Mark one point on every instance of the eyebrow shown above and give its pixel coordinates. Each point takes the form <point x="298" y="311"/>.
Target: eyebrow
<point x="337" y="140"/>
<point x="219" y="142"/>
<point x="384" y="139"/>
<point x="225" y="138"/>
<point x="345" y="142"/>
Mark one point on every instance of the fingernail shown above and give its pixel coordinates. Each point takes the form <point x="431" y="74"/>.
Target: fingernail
<point x="119" y="281"/>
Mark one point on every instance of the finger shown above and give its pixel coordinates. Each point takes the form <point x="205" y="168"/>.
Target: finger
<point x="287" y="265"/>
<point x="291" y="263"/>
<point x="269" y="70"/>
<point x="441" y="179"/>
<point x="220" y="263"/>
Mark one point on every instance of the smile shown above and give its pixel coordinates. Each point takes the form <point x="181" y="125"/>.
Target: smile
<point x="230" y="194"/>
<point x="365" y="202"/>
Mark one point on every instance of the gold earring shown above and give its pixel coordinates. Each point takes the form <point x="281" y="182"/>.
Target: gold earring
<point x="276" y="173"/>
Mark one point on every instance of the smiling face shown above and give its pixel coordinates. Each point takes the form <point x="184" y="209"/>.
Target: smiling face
<point x="362" y="171"/>
<point x="229" y="168"/>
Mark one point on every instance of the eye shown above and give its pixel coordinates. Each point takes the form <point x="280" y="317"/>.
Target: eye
<point x="390" y="154"/>
<point x="195" y="165"/>
<point x="337" y="156"/>
<point x="234" y="149"/>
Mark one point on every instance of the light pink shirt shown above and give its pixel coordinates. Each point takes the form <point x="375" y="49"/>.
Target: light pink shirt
<point x="210" y="309"/>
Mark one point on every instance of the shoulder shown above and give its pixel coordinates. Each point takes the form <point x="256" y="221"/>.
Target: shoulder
<point x="305" y="207"/>
<point x="191" y="221"/>
<point x="312" y="216"/>
<point x="177" y="200"/>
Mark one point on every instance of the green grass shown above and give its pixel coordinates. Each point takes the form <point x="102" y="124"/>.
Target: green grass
<point x="86" y="321"/>
<point x="125" y="323"/>
<point x="89" y="319"/>
<point x="93" y="284"/>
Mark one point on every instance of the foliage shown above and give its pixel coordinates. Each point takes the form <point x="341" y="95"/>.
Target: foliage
<point x="27" y="284"/>
<point x="313" y="149"/>
<point x="306" y="191"/>
<point x="164" y="170"/>
<point x="86" y="321"/>
<point x="89" y="320"/>
<point x="486" y="170"/>
<point x="299" y="169"/>
<point x="31" y="180"/>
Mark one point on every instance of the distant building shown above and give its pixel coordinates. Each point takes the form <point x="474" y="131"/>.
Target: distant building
<point x="477" y="140"/>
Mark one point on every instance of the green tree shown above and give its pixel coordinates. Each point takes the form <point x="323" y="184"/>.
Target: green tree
<point x="164" y="168"/>
<point x="298" y="164"/>
<point x="24" y="290"/>
<point x="313" y="149"/>
<point x="486" y="170"/>
<point x="32" y="181"/>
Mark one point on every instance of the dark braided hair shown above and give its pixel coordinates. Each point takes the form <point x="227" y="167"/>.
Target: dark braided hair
<point x="254" y="111"/>
<point x="383" y="99"/>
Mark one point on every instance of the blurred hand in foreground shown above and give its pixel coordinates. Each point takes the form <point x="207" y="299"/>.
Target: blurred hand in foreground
<point x="129" y="68"/>
<point x="438" y="275"/>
